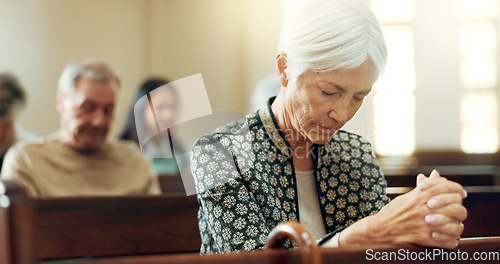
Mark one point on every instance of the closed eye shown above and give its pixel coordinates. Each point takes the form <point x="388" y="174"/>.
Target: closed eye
<point x="325" y="93"/>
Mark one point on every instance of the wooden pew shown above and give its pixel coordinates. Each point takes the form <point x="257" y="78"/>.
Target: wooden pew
<point x="483" y="206"/>
<point x="434" y="158"/>
<point x="352" y="254"/>
<point x="108" y="228"/>
<point x="464" y="168"/>
<point x="466" y="175"/>
<point x="480" y="202"/>
<point x="439" y="158"/>
<point x="171" y="183"/>
<point x="310" y="253"/>
<point x="464" y="180"/>
<point x="73" y="227"/>
<point x="17" y="240"/>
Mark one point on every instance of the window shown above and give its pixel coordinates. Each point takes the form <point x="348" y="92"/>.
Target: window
<point x="454" y="87"/>
<point x="478" y="76"/>
<point x="394" y="100"/>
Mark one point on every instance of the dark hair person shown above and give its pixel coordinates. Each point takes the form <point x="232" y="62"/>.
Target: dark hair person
<point x="12" y="100"/>
<point x="161" y="146"/>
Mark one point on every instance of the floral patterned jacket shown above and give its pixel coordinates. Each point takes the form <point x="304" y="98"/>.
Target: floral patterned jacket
<point x="245" y="181"/>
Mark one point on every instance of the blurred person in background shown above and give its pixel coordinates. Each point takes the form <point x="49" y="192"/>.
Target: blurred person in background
<point x="79" y="160"/>
<point x="161" y="147"/>
<point x="12" y="100"/>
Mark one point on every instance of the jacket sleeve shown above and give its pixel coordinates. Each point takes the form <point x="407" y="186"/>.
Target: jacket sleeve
<point x="229" y="217"/>
<point x="370" y="192"/>
<point x="378" y="184"/>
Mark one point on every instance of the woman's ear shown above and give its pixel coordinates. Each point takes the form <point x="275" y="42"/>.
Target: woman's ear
<point x="280" y="68"/>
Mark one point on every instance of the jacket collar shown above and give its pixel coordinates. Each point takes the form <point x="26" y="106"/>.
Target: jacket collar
<point x="272" y="129"/>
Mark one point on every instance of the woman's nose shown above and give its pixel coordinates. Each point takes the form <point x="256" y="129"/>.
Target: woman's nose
<point x="340" y="111"/>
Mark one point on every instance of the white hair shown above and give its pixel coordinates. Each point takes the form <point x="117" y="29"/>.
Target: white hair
<point x="325" y="35"/>
<point x="91" y="69"/>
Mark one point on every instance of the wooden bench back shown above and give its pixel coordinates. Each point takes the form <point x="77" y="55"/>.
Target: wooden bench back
<point x="352" y="254"/>
<point x="17" y="239"/>
<point x="464" y="168"/>
<point x="483" y="206"/>
<point x="73" y="227"/>
<point x="171" y="183"/>
<point x="471" y="175"/>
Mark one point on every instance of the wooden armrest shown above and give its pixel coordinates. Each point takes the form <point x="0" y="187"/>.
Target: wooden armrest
<point x="309" y="251"/>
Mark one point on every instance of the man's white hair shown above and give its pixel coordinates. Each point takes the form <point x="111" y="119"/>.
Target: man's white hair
<point x="91" y="69"/>
<point x="324" y="35"/>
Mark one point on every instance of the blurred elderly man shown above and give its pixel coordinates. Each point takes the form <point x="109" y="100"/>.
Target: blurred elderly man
<point x="78" y="160"/>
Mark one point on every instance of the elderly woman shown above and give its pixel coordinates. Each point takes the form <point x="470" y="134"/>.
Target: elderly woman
<point x="291" y="161"/>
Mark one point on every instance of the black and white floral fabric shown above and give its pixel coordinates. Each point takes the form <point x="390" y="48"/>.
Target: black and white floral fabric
<point x="246" y="183"/>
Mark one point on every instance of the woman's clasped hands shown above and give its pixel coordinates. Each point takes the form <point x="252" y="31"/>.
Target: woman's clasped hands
<point x="429" y="215"/>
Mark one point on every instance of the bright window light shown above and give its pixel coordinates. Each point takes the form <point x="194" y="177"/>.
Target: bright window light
<point x="394" y="11"/>
<point x="400" y="70"/>
<point x="394" y="102"/>
<point x="394" y="123"/>
<point x="479" y="125"/>
<point x="478" y="8"/>
<point x="478" y="65"/>
<point x="289" y="6"/>
<point x="478" y="73"/>
<point x="478" y="39"/>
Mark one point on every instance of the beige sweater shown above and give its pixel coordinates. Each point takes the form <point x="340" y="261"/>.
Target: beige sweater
<point x="48" y="167"/>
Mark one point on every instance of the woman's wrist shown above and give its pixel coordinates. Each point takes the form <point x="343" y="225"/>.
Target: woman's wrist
<point x="364" y="231"/>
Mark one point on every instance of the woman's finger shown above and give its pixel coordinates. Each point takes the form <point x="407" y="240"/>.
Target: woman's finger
<point x="455" y="211"/>
<point x="444" y="199"/>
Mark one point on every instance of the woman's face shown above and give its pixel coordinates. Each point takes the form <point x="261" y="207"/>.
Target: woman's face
<point x="165" y="106"/>
<point x="319" y="104"/>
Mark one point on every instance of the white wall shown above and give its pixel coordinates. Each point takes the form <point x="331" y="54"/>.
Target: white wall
<point x="263" y="21"/>
<point x="39" y="37"/>
<point x="437" y="75"/>
<point x="189" y="37"/>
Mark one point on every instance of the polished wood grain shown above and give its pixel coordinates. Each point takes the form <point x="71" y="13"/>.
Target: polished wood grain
<point x="17" y="221"/>
<point x="75" y="227"/>
<point x="171" y="183"/>
<point x="298" y="233"/>
<point x="343" y="255"/>
<point x="470" y="175"/>
<point x="107" y="226"/>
